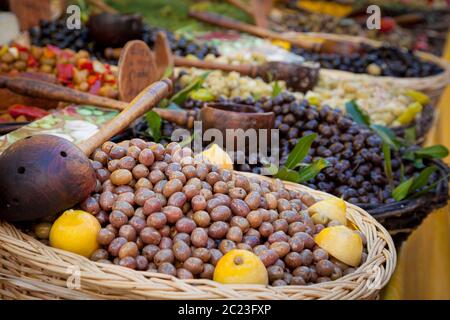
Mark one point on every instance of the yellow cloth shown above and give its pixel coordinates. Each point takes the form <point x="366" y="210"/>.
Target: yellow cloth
<point x="423" y="270"/>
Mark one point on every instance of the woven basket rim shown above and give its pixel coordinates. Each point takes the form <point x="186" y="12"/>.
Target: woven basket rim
<point x="434" y="82"/>
<point x="30" y="269"/>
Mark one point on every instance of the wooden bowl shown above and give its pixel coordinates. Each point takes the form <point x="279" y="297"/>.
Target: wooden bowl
<point x="114" y="30"/>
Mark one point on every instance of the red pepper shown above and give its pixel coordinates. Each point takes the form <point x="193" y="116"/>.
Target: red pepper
<point x="64" y="72"/>
<point x="20" y="47"/>
<point x="30" y="113"/>
<point x="86" y="65"/>
<point x="95" y="87"/>
<point x="31" y="62"/>
<point x="92" y="79"/>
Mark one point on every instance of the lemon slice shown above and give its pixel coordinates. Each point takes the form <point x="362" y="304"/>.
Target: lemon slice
<point x="217" y="156"/>
<point x="410" y="113"/>
<point x="418" y="96"/>
<point x="341" y="243"/>
<point x="331" y="209"/>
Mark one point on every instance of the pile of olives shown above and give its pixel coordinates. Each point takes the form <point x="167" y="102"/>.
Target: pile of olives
<point x="56" y="33"/>
<point x="383" y="61"/>
<point x="163" y="210"/>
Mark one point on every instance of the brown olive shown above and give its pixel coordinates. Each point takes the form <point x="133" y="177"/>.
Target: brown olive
<point x="105" y="236"/>
<point x="143" y="183"/>
<point x="118" y="219"/>
<point x="124" y="207"/>
<point x="133" y="151"/>
<point x="190" y="191"/>
<point x="226" y="246"/>
<point x="152" y="267"/>
<point x="177" y="199"/>
<point x="129" y="249"/>
<point x="158" y="151"/>
<point x="111" y="228"/>
<point x="208" y="271"/>
<point x="218" y="230"/>
<point x="281" y="248"/>
<point x="220" y="187"/>
<point x="127" y="197"/>
<point x="141" y="263"/>
<point x="167" y="268"/>
<point x="157" y="220"/>
<point x="121" y="177"/>
<point x="185" y="225"/>
<point x="181" y="250"/>
<point x="337" y="273"/>
<point x="303" y="272"/>
<point x="259" y="248"/>
<point x="307" y="239"/>
<point x="102" y="217"/>
<point x="155" y="176"/>
<point x="128" y="232"/>
<point x="171" y="187"/>
<point x="349" y="271"/>
<point x="113" y="165"/>
<point x="268" y="257"/>
<point x="297" y="281"/>
<point x="239" y="207"/>
<point x="140" y="171"/>
<point x="127" y="163"/>
<point x="150" y="235"/>
<point x="124" y="189"/>
<point x="296" y="244"/>
<point x="212" y="178"/>
<point x="243" y="246"/>
<point x="173" y="214"/>
<point x="279" y="283"/>
<point x="265" y="229"/>
<point x="255" y="218"/>
<point x="159" y="186"/>
<point x="99" y="254"/>
<point x="320" y="254"/>
<point x="202" y="253"/>
<point x="149" y="251"/>
<point x="106" y="200"/>
<point x="237" y="193"/>
<point x="306" y="257"/>
<point x="235" y="234"/>
<point x="176" y="175"/>
<point x="293" y="260"/>
<point x="271" y="201"/>
<point x="184" y="274"/>
<point x="164" y="255"/>
<point x="194" y="265"/>
<point x="253" y="232"/>
<point x="115" y="246"/>
<point x="253" y="200"/>
<point x="283" y="204"/>
<point x="278" y="236"/>
<point x="137" y="223"/>
<point x="240" y="222"/>
<point x="199" y="237"/>
<point x="151" y="205"/>
<point x="107" y="146"/>
<point x="280" y="225"/>
<point x="165" y="231"/>
<point x="287" y="277"/>
<point x="275" y="273"/>
<point x="202" y="218"/>
<point x="295" y="227"/>
<point x="90" y="205"/>
<point x="308" y="199"/>
<point x="242" y="182"/>
<point x="290" y="216"/>
<point x="220" y="213"/>
<point x="128" y="262"/>
<point x="117" y="152"/>
<point x="141" y="144"/>
<point x="251" y="240"/>
<point x="323" y="279"/>
<point x="215" y="256"/>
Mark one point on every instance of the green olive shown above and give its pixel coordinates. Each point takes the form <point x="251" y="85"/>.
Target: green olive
<point x="42" y="230"/>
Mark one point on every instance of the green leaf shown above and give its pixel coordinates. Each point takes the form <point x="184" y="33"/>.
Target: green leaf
<point x="181" y="96"/>
<point x="422" y="179"/>
<point x="311" y="170"/>
<point x="387" y="161"/>
<point x="402" y="190"/>
<point x="387" y="135"/>
<point x="418" y="163"/>
<point x="276" y="89"/>
<point x="168" y="72"/>
<point x="402" y="172"/>
<point x="410" y="135"/>
<point x="356" y="113"/>
<point x="154" y="125"/>
<point x="435" y="152"/>
<point x="287" y="174"/>
<point x="300" y="151"/>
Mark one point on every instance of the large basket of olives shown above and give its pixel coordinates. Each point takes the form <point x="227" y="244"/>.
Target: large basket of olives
<point x="168" y="232"/>
<point x="383" y="63"/>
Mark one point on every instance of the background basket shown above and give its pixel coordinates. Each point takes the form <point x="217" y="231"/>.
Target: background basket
<point x="433" y="86"/>
<point x="32" y="270"/>
<point x="401" y="218"/>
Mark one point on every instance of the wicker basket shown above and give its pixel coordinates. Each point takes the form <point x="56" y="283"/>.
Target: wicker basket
<point x="433" y="86"/>
<point x="32" y="270"/>
<point x="401" y="218"/>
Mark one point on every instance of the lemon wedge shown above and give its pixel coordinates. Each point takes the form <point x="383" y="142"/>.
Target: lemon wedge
<point x="331" y="209"/>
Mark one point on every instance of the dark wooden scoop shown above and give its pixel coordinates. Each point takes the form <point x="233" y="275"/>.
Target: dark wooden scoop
<point x="323" y="46"/>
<point x="49" y="91"/>
<point x="43" y="175"/>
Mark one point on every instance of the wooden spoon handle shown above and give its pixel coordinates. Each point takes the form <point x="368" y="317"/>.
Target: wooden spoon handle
<point x="148" y="98"/>
<point x="229" y="23"/>
<point x="246" y="70"/>
<point x="46" y="90"/>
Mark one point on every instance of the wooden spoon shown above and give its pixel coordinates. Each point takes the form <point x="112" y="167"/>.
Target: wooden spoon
<point x="43" y="175"/>
<point x="50" y="91"/>
<point x="319" y="45"/>
<point x="299" y="77"/>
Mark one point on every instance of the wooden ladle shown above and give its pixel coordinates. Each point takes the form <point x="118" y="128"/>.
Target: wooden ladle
<point x="319" y="45"/>
<point x="299" y="77"/>
<point x="44" y="174"/>
<point x="45" y="90"/>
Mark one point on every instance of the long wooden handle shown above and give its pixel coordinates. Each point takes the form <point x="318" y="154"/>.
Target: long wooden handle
<point x="47" y="90"/>
<point x="247" y="70"/>
<point x="229" y="23"/>
<point x="148" y="98"/>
